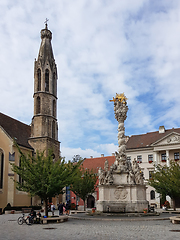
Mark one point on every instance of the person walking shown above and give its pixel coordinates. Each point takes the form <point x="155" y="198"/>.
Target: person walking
<point x="60" y="208"/>
<point x="67" y="208"/>
<point x="52" y="209"/>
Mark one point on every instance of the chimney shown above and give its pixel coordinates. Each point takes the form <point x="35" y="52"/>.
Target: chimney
<point x="161" y="129"/>
<point x="91" y="156"/>
<point x="102" y="155"/>
<point x="113" y="154"/>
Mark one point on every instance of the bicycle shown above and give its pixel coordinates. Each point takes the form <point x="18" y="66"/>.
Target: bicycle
<point x="25" y="219"/>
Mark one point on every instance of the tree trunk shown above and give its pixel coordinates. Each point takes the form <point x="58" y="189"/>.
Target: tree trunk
<point x="84" y="205"/>
<point x="46" y="207"/>
<point x="174" y="204"/>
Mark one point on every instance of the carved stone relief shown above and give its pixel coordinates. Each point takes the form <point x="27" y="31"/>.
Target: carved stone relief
<point x="120" y="194"/>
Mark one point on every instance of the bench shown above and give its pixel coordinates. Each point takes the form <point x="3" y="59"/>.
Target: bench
<point x="76" y="211"/>
<point x="175" y="219"/>
<point x="56" y="219"/>
<point x="26" y="210"/>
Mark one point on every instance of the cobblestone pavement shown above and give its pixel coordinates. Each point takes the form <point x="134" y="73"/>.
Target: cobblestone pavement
<point x="89" y="229"/>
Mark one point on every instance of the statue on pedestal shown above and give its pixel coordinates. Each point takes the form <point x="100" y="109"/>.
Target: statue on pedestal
<point x="121" y="186"/>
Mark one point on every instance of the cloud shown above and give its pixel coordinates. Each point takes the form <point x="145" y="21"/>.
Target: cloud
<point x="100" y="47"/>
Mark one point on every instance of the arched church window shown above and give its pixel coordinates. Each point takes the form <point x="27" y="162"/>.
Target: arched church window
<point x="38" y="105"/>
<point x="54" y="108"/>
<point x="1" y="168"/>
<point x="53" y="83"/>
<point x="53" y="129"/>
<point x="152" y="194"/>
<point x="39" y="79"/>
<point x="47" y="80"/>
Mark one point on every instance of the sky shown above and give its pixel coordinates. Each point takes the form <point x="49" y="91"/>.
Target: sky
<point x="101" y="47"/>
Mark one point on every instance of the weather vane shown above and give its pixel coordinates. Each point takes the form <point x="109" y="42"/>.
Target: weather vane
<point x="46" y="22"/>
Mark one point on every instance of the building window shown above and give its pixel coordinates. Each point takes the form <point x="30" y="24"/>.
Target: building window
<point x="150" y="174"/>
<point x="39" y="79"/>
<point x="38" y="105"/>
<point x="1" y="168"/>
<point x="163" y="157"/>
<point x="53" y="129"/>
<point x="150" y="158"/>
<point x="47" y="80"/>
<point x="139" y="158"/>
<point x="152" y="194"/>
<point x="54" y="80"/>
<point x="129" y="158"/>
<point x="12" y="157"/>
<point x="176" y="156"/>
<point x="54" y="108"/>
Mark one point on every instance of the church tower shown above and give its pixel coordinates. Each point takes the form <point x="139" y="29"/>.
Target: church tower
<point x="44" y="126"/>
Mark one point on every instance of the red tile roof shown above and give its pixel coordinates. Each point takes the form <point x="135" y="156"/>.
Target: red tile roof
<point x="16" y="129"/>
<point x="95" y="163"/>
<point x="135" y="141"/>
<point x="145" y="140"/>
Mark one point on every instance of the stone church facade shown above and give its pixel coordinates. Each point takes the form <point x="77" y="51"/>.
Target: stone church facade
<point x="41" y="135"/>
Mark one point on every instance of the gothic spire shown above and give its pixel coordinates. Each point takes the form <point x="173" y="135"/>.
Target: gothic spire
<point x="45" y="55"/>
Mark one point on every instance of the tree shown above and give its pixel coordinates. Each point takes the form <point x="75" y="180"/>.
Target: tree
<point x="84" y="184"/>
<point x="77" y="158"/>
<point x="42" y="177"/>
<point x="166" y="180"/>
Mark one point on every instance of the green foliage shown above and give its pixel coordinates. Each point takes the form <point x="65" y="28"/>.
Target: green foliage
<point x="85" y="183"/>
<point x="42" y="177"/>
<point x="166" y="180"/>
<point x="73" y="206"/>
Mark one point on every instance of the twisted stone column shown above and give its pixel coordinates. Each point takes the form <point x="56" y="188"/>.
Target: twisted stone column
<point x="120" y="111"/>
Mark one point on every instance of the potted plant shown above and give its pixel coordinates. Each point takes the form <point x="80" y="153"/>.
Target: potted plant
<point x="145" y="210"/>
<point x="93" y="210"/>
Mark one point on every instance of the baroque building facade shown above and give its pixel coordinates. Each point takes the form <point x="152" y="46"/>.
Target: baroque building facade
<point x="41" y="135"/>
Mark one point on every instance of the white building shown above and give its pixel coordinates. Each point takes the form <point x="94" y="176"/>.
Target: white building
<point x="154" y="147"/>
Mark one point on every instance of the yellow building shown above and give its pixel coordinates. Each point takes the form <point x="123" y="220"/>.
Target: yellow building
<point x="11" y="129"/>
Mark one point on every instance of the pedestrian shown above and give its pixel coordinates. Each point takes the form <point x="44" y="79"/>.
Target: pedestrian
<point x="64" y="209"/>
<point x="32" y="215"/>
<point x="60" y="208"/>
<point x="38" y="217"/>
<point x="52" y="209"/>
<point x="67" y="208"/>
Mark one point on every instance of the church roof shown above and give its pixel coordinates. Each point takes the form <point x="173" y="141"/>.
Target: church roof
<point x="16" y="129"/>
<point x="146" y="140"/>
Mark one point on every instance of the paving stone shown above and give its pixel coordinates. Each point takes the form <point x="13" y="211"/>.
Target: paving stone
<point x="89" y="229"/>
